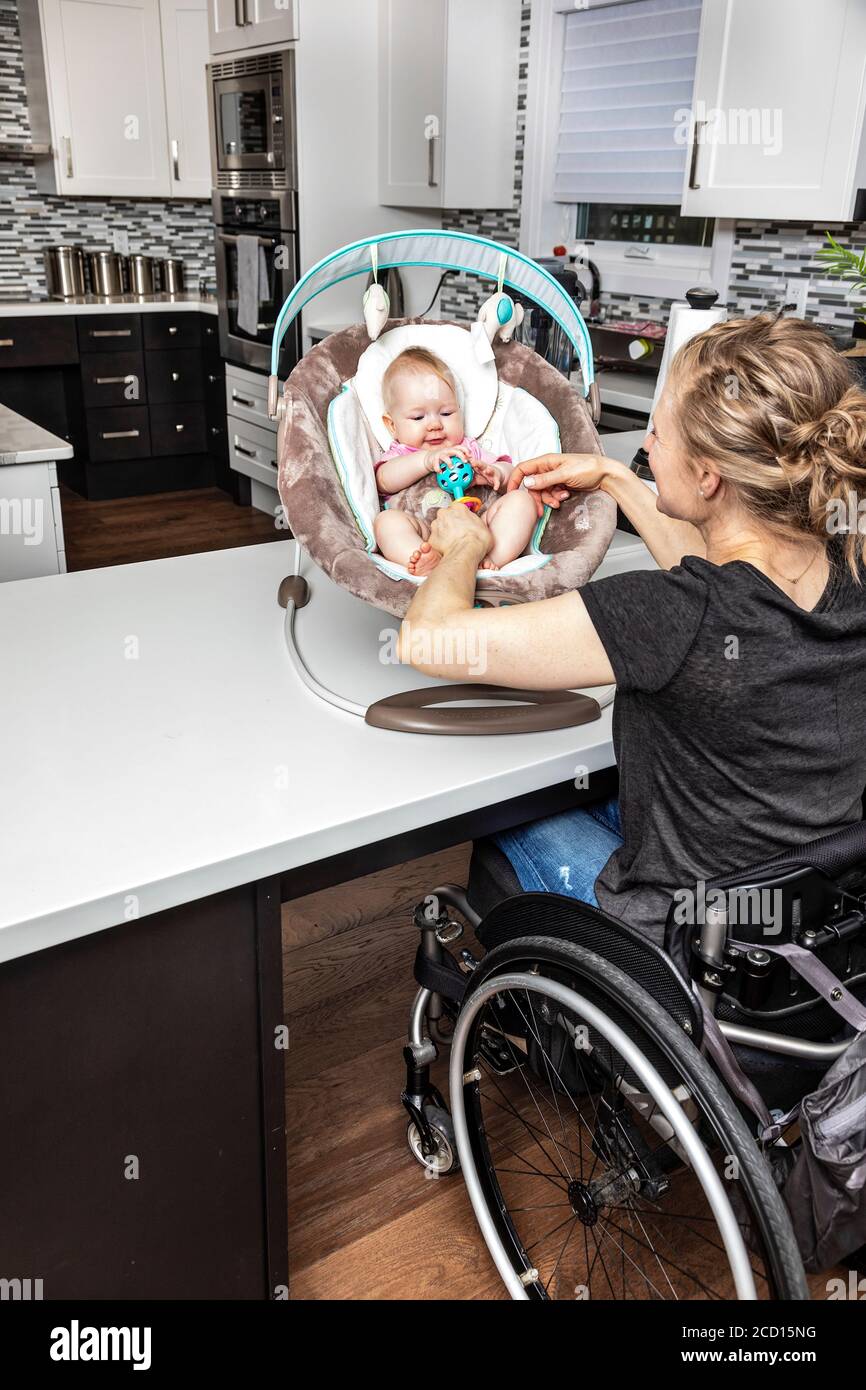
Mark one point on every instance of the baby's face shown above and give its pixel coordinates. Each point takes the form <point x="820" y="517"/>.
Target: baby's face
<point x="424" y="411"/>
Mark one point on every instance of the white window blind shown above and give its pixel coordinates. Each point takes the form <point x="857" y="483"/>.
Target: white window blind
<point x="627" y="70"/>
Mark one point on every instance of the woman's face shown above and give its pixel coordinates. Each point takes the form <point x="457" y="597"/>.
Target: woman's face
<point x="675" y="476"/>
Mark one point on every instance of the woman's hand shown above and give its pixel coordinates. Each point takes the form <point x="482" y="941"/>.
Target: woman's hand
<point x="458" y="525"/>
<point x="552" y="476"/>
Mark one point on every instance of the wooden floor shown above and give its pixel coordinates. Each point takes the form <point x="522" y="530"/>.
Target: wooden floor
<point x="127" y="529"/>
<point x="364" y="1222"/>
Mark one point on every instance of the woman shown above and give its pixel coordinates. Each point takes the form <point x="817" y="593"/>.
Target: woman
<point x="740" y="716"/>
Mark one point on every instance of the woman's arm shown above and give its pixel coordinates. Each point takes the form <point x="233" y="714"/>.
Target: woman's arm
<point x="548" y="645"/>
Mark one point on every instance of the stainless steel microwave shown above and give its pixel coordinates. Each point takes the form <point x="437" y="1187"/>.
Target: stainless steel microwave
<point x="252" y="121"/>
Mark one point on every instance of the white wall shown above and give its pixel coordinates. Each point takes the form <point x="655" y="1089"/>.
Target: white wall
<point x="337" y="76"/>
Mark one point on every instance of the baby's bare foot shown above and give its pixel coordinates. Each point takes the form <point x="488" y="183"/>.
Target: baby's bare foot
<point x="423" y="560"/>
<point x="488" y="565"/>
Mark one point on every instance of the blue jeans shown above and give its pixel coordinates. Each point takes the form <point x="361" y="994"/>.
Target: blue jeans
<point x="564" y="853"/>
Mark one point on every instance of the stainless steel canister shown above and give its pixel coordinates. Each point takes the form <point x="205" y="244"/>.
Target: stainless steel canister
<point x="105" y="273"/>
<point x="64" y="271"/>
<point x="172" y="276"/>
<point x="141" y="274"/>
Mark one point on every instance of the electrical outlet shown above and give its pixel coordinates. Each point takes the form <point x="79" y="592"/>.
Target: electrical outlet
<point x="120" y="238"/>
<point x="796" y="294"/>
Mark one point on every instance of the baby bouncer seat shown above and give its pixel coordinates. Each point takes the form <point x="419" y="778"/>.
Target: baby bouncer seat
<point x="514" y="402"/>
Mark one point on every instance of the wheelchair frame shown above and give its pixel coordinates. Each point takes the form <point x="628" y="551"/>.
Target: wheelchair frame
<point x="819" y="913"/>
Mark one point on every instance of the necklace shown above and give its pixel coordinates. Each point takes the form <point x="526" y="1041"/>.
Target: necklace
<point x="790" y="579"/>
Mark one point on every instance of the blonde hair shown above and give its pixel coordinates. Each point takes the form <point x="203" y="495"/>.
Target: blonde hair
<point x="770" y="403"/>
<point x="414" y="359"/>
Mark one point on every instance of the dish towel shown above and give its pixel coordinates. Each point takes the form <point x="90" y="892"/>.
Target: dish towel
<point x="249" y="283"/>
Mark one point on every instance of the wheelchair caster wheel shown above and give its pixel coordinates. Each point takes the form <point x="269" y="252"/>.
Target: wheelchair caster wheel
<point x="443" y="1158"/>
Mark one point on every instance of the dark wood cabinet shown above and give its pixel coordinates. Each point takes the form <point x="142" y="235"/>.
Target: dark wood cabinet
<point x="109" y="332"/>
<point x="38" y="341"/>
<point x="141" y="397"/>
<point x="115" y="380"/>
<point x="167" y="330"/>
<point x="121" y="433"/>
<point x="175" y="375"/>
<point x="178" y="428"/>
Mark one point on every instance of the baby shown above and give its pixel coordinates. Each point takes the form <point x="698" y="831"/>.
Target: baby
<point x="426" y="422"/>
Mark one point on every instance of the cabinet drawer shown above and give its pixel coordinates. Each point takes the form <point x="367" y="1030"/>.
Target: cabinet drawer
<point x="115" y="380"/>
<point x="109" y="332"/>
<point x="37" y="342"/>
<point x="121" y="433"/>
<point x="166" y="330"/>
<point x="174" y="376"/>
<point x="247" y="399"/>
<point x="178" y="429"/>
<point x="253" y="451"/>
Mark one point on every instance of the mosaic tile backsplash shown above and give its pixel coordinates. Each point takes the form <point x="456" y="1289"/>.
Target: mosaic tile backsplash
<point x="30" y="220"/>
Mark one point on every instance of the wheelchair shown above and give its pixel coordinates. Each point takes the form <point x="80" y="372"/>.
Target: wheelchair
<point x="608" y="1149"/>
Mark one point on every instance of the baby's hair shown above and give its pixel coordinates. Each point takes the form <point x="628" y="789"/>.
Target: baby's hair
<point x="414" y="359"/>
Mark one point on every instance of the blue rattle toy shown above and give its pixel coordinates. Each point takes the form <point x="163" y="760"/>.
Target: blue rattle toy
<point x="454" y="478"/>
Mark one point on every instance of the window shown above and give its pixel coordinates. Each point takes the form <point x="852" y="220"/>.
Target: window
<point x="627" y="79"/>
<point x="629" y="222"/>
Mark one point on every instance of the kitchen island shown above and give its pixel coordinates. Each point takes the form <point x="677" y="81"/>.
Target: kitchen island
<point x="169" y="781"/>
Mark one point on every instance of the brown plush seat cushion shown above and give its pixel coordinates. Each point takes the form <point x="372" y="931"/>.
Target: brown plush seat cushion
<point x="320" y="516"/>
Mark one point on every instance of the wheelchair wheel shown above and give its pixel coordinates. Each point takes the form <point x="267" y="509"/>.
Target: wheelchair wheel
<point x="611" y="1163"/>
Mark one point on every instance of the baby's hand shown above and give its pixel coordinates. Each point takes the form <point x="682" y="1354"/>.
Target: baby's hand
<point x="445" y="455"/>
<point x="493" y="474"/>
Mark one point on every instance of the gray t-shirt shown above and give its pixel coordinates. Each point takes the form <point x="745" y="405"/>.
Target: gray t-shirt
<point x="739" y="724"/>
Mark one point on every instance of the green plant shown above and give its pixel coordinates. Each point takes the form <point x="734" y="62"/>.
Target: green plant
<point x="846" y="264"/>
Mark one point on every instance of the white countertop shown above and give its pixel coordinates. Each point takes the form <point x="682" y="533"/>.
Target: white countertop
<point x="117" y="304"/>
<point x="156" y="745"/>
<point x="23" y="442"/>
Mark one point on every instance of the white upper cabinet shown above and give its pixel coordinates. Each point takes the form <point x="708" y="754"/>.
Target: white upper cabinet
<point x="128" y="96"/>
<point x="239" y="24"/>
<point x="104" y="74"/>
<point x="185" y="56"/>
<point x="448" y="72"/>
<point x="778" y="110"/>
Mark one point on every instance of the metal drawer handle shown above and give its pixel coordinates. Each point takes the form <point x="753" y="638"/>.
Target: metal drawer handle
<point x="172" y="331"/>
<point x="67" y="140"/>
<point x="108" y="380"/>
<point x="180" y="428"/>
<point x="696" y="144"/>
<point x="247" y="453"/>
<point x="7" y="342"/>
<point x="243" y="400"/>
<point x="111" y="332"/>
<point x="175" y="161"/>
<point x="175" y="376"/>
<point x="119" y="434"/>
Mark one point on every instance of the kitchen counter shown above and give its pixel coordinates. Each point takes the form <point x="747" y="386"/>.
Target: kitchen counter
<point x="23" y="442"/>
<point x="191" y="302"/>
<point x="163" y="768"/>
